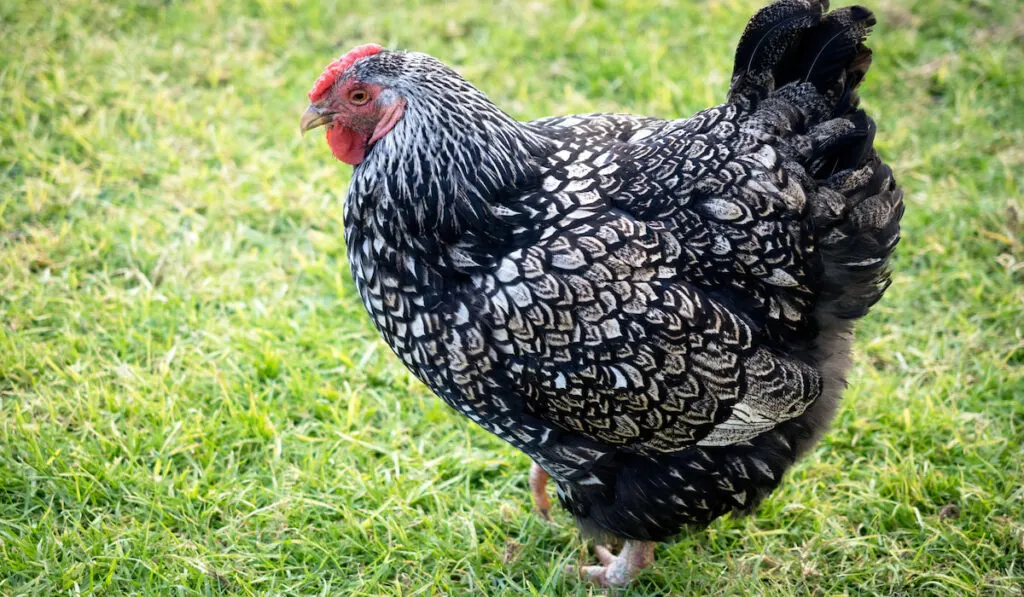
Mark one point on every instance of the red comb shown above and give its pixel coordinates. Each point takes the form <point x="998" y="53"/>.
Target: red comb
<point x="339" y="66"/>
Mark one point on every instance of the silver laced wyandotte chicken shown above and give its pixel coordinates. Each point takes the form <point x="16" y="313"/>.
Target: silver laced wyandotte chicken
<point x="658" y="312"/>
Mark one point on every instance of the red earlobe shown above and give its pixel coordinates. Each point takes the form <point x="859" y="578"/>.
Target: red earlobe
<point x="388" y="119"/>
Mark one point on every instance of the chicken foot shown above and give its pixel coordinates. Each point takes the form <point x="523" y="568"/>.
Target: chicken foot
<point x="619" y="570"/>
<point x="539" y="490"/>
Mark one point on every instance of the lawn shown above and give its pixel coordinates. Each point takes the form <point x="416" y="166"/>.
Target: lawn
<point x="192" y="401"/>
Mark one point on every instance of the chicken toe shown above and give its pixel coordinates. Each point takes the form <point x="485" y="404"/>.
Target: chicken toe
<point x="618" y="571"/>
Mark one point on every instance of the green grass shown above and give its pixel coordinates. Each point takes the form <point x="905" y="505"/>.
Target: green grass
<point x="192" y="401"/>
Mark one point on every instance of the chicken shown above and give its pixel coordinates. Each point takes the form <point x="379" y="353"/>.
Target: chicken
<point x="658" y="312"/>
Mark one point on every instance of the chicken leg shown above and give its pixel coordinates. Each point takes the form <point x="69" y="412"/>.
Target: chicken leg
<point x="619" y="570"/>
<point x="539" y="490"/>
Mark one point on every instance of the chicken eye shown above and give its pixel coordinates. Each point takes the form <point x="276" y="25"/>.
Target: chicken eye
<point x="358" y="97"/>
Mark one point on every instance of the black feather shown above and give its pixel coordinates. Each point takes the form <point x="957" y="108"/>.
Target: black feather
<point x="792" y="42"/>
<point x="832" y="55"/>
<point x="768" y="41"/>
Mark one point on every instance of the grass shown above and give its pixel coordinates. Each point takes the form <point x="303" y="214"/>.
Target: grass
<point x="192" y="401"/>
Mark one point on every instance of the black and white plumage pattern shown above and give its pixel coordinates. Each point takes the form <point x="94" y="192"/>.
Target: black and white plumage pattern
<point x="658" y="312"/>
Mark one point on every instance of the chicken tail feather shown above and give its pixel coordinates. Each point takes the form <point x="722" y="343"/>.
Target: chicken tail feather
<point x="855" y="243"/>
<point x="789" y="47"/>
<point x="796" y="41"/>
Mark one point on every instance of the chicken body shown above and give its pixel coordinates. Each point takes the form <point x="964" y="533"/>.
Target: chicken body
<point x="658" y="312"/>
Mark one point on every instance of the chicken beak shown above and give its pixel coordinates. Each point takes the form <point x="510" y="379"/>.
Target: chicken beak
<point x="313" y="118"/>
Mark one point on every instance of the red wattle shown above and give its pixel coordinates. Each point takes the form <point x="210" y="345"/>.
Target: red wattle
<point x="347" y="145"/>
